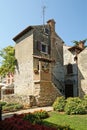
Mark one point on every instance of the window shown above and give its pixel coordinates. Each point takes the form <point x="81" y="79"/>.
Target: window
<point x="42" y="47"/>
<point x="46" y="30"/>
<point x="69" y="69"/>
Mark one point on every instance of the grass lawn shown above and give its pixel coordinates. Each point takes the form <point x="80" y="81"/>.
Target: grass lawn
<point x="77" y="122"/>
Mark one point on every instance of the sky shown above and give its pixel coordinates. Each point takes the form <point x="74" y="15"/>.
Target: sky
<point x="70" y="17"/>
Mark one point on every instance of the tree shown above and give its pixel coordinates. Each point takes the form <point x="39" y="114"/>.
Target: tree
<point x="77" y="42"/>
<point x="8" y="60"/>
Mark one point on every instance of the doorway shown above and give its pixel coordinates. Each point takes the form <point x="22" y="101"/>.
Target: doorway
<point x="68" y="90"/>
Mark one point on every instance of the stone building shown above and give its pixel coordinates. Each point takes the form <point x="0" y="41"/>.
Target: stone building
<point x="39" y="69"/>
<point x="46" y="67"/>
<point x="75" y="69"/>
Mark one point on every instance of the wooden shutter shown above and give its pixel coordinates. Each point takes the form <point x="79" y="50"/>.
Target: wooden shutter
<point x="39" y="45"/>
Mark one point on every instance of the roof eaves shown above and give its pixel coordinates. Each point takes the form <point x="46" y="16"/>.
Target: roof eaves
<point x="74" y="47"/>
<point x="22" y="33"/>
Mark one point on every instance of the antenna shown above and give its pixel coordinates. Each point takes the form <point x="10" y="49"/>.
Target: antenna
<point x="44" y="7"/>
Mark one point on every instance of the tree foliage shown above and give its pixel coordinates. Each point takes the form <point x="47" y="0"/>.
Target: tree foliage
<point x="77" y="42"/>
<point x="8" y="60"/>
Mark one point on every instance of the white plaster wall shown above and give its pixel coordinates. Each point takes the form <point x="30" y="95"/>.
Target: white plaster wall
<point x="82" y="73"/>
<point x="24" y="71"/>
<point x="69" y="58"/>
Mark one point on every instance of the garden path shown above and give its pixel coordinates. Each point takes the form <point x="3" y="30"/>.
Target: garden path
<point x="6" y="115"/>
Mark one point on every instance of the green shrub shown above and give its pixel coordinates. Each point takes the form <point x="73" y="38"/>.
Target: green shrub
<point x="85" y="97"/>
<point x="84" y="103"/>
<point x="10" y="104"/>
<point x="32" y="118"/>
<point x="2" y="103"/>
<point x="59" y="104"/>
<point x="18" y="106"/>
<point x="8" y="108"/>
<point x="12" y="107"/>
<point x="42" y="114"/>
<point x="36" y="117"/>
<point x="75" y="106"/>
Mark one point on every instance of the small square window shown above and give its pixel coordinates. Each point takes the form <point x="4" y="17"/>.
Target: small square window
<point x="46" y="30"/>
<point x="44" y="48"/>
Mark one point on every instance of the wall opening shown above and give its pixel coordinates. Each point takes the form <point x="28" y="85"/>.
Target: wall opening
<point x="68" y="90"/>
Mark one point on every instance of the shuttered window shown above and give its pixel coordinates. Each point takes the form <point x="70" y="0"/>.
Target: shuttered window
<point x="44" y="48"/>
<point x="39" y="45"/>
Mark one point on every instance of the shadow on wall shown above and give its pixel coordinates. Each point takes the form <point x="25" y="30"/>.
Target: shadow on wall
<point x="17" y="66"/>
<point x="80" y="77"/>
<point x="73" y="77"/>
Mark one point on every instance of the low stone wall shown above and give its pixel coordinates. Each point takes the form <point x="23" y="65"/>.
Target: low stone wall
<point x="26" y="100"/>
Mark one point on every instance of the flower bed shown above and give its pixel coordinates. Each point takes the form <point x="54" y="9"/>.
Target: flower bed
<point x="16" y="123"/>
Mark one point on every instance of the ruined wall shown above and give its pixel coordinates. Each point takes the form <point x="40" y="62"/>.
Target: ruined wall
<point x="82" y="73"/>
<point x="24" y="69"/>
<point x="69" y="59"/>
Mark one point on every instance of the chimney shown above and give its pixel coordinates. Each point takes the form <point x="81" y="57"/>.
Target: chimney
<point x="51" y="22"/>
<point x="81" y="44"/>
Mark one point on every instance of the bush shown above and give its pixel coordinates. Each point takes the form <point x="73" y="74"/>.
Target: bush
<point x="85" y="97"/>
<point x="32" y="118"/>
<point x="12" y="107"/>
<point x="75" y="106"/>
<point x="2" y="103"/>
<point x="18" y="106"/>
<point x="42" y="114"/>
<point x="35" y="117"/>
<point x="84" y="103"/>
<point x="59" y="104"/>
<point x="8" y="108"/>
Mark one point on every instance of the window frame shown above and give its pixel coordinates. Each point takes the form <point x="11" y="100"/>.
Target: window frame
<point x="46" y="49"/>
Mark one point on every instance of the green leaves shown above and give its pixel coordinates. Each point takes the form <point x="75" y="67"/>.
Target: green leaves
<point x="77" y="42"/>
<point x="8" y="60"/>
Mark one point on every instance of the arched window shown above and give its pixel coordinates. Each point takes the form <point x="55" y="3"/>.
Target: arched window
<point x="69" y="69"/>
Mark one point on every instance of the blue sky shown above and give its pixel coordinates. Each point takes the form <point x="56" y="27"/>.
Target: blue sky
<point x="16" y="15"/>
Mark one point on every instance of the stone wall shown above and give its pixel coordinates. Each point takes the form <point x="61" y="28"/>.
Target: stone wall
<point x="25" y="100"/>
<point x="82" y="73"/>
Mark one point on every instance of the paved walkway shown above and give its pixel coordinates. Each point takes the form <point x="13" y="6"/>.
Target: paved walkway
<point x="5" y="115"/>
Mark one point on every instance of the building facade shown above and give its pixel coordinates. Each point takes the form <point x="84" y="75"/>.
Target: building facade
<point x="39" y="69"/>
<point x="75" y="70"/>
<point x="46" y="68"/>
